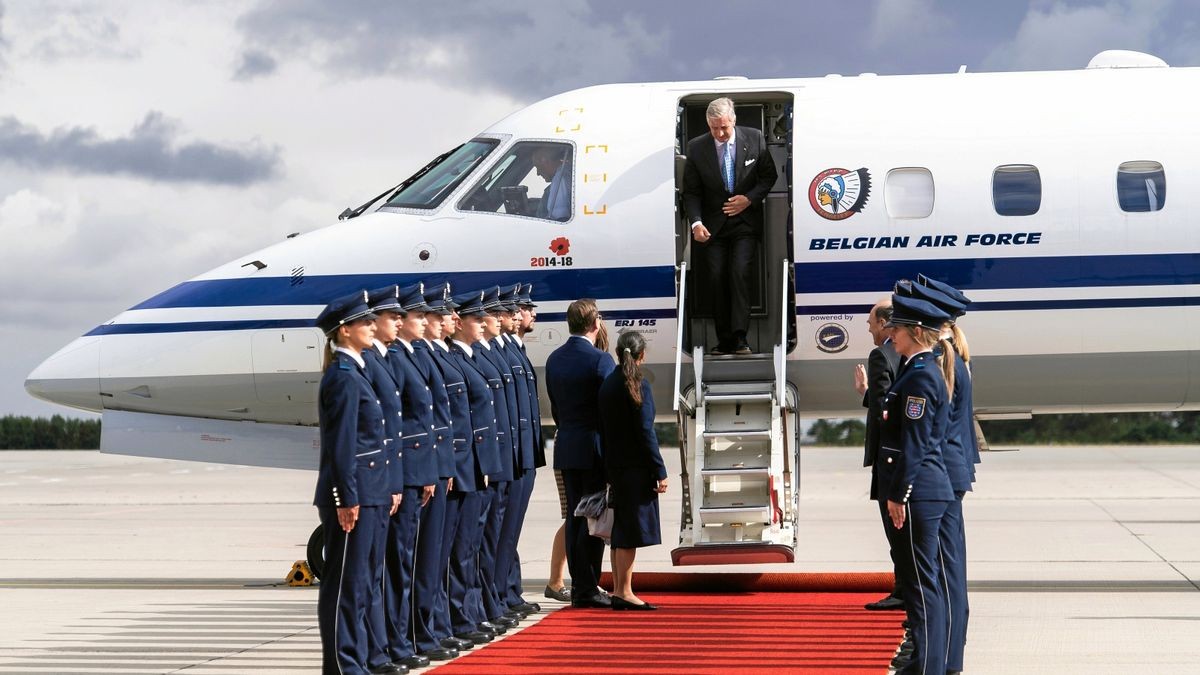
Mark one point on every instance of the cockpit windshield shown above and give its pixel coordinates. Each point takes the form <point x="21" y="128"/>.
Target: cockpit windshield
<point x="430" y="186"/>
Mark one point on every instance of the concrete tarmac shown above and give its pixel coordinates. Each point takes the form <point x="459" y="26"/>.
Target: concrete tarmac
<point x="1081" y="559"/>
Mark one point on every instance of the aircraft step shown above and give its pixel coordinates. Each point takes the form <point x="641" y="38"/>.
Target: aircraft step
<point x="737" y="471"/>
<point x="710" y="397"/>
<point x="737" y="433"/>
<point x="732" y="553"/>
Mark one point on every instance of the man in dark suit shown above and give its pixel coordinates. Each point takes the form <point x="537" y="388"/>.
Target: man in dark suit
<point x="873" y="383"/>
<point x="574" y="373"/>
<point x="727" y="176"/>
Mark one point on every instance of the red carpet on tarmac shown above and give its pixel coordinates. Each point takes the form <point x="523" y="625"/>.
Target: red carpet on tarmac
<point x="710" y="632"/>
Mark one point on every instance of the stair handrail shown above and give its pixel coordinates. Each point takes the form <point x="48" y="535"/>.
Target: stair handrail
<point x="781" y="348"/>
<point x="680" y="321"/>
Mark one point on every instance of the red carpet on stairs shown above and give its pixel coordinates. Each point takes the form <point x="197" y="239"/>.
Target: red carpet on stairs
<point x="695" y="633"/>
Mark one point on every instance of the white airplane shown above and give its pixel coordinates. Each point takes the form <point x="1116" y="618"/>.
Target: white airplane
<point x="1043" y="195"/>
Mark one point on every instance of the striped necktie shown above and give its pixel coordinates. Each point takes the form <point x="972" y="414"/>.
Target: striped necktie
<point x="728" y="167"/>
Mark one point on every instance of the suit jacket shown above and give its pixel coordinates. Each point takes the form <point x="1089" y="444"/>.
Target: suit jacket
<point x="704" y="190"/>
<point x="574" y="373"/>
<point x="882" y="366"/>
<point x="627" y="430"/>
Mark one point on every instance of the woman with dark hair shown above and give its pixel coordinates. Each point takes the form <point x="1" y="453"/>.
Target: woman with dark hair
<point x="632" y="464"/>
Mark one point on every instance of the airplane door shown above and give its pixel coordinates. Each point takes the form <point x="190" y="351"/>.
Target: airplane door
<point x="287" y="365"/>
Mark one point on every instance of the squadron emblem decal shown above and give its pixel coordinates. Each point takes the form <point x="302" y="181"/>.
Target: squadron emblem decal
<point x="832" y="338"/>
<point x="837" y="194"/>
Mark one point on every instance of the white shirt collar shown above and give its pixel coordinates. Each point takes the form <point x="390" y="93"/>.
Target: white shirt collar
<point x="486" y="344"/>
<point x="442" y="344"/>
<point x="382" y="348"/>
<point x="406" y="344"/>
<point x="466" y="348"/>
<point x="354" y="355"/>
<point x="586" y="339"/>
<point x="720" y="145"/>
<point x="517" y="339"/>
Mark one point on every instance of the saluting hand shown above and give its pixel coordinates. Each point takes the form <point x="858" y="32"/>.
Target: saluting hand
<point x="347" y="517"/>
<point x="860" y="378"/>
<point x="896" y="511"/>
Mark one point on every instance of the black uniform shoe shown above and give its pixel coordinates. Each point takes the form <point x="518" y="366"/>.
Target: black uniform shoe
<point x="742" y="348"/>
<point x="515" y="615"/>
<point x="901" y="662"/>
<point x="891" y="602"/>
<point x="619" y="604"/>
<point x="562" y="595"/>
<point x="527" y="608"/>
<point x="414" y="661"/>
<point x="598" y="600"/>
<point x="504" y="621"/>
<point x="477" y="636"/>
<point x="494" y="628"/>
<point x="389" y="669"/>
<point x="442" y="654"/>
<point x="457" y="643"/>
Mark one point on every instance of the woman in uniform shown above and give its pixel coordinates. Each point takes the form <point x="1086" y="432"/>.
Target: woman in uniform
<point x="911" y="473"/>
<point x="353" y="496"/>
<point x="632" y="464"/>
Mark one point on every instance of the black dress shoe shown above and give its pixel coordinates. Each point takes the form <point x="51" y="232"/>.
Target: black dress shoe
<point x="457" y="643"/>
<point x="515" y="615"/>
<point x="504" y="621"/>
<point x="477" y="637"/>
<point x="526" y="608"/>
<point x="414" y="661"/>
<point x="562" y="595"/>
<point x="742" y="349"/>
<point x="900" y="662"/>
<point x="494" y="628"/>
<point x="620" y="604"/>
<point x="388" y="669"/>
<point x="442" y="654"/>
<point x="891" y="602"/>
<point x="598" y="600"/>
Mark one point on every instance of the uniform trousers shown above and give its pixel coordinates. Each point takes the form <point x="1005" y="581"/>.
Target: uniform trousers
<point x="954" y="562"/>
<point x="402" y="544"/>
<point x="730" y="257"/>
<point x="345" y="593"/>
<point x="450" y="529"/>
<point x="466" y="610"/>
<point x="430" y="572"/>
<point x="890" y="531"/>
<point x="508" y="579"/>
<point x="924" y="598"/>
<point x="493" y="520"/>
<point x="585" y="553"/>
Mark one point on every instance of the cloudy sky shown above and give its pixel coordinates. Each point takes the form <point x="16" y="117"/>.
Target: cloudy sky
<point x="142" y="143"/>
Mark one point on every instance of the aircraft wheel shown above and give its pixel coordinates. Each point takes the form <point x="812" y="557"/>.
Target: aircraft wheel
<point x="316" y="551"/>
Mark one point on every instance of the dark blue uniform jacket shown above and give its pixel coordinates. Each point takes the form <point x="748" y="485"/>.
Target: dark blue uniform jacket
<point x="915" y="415"/>
<point x="352" y="470"/>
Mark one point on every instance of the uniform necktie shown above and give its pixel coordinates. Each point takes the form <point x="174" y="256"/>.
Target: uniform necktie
<point x="728" y="167"/>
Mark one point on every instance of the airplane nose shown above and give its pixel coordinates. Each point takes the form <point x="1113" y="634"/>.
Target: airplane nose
<point x="71" y="376"/>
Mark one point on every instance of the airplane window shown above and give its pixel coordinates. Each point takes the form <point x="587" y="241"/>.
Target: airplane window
<point x="533" y="179"/>
<point x="429" y="186"/>
<point x="908" y="193"/>
<point x="1017" y="190"/>
<point x="1141" y="186"/>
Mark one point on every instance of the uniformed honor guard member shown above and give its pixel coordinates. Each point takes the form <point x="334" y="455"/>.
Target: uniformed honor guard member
<point x="420" y="476"/>
<point x="471" y="478"/>
<point x="498" y="371"/>
<point x="458" y="450"/>
<point x="508" y="578"/>
<point x="962" y="454"/>
<point x="912" y="474"/>
<point x="384" y="303"/>
<point x="352" y="496"/>
<point x="427" y="565"/>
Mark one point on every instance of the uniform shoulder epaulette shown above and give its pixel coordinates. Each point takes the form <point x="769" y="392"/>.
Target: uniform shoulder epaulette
<point x="344" y="366"/>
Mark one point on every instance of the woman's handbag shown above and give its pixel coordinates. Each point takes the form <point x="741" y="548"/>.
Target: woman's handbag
<point x="599" y="514"/>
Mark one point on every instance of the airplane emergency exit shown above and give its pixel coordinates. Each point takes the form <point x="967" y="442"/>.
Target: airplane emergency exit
<point x="1043" y="195"/>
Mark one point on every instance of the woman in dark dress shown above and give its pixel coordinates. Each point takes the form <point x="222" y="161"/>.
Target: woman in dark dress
<point x="632" y="463"/>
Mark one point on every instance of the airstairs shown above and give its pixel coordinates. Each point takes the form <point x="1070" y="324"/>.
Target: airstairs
<point x="737" y="424"/>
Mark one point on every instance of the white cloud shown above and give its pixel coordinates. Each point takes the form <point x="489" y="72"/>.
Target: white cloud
<point x="899" y="23"/>
<point x="1061" y="36"/>
<point x="72" y="31"/>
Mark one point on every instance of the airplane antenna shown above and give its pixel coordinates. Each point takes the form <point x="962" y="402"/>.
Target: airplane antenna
<point x="257" y="264"/>
<point x="962" y="69"/>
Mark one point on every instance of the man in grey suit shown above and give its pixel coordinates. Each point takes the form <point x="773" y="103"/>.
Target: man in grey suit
<point x="873" y="382"/>
<point x="725" y="180"/>
<point x="574" y="373"/>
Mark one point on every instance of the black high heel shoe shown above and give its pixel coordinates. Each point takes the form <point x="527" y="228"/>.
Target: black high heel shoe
<point x="619" y="604"/>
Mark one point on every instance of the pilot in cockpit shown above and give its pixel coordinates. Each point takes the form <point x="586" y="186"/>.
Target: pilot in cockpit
<point x="552" y="167"/>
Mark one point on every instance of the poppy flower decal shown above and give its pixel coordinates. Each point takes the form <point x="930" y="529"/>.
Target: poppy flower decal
<point x="561" y="246"/>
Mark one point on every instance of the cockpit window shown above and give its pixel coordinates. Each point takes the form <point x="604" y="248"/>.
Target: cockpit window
<point x="533" y="179"/>
<point x="429" y="186"/>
